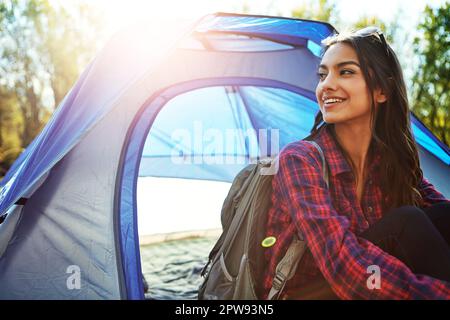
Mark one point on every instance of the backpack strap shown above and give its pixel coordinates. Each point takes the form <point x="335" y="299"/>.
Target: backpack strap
<point x="287" y="266"/>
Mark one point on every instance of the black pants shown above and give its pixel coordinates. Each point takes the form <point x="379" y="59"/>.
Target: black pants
<point x="420" y="238"/>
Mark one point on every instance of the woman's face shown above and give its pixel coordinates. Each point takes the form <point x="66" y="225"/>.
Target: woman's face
<point x="342" y="91"/>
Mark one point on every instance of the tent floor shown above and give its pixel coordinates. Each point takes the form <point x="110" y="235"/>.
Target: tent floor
<point x="172" y="268"/>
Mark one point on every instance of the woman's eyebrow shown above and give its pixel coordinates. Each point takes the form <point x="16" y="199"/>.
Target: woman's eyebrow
<point x="341" y="64"/>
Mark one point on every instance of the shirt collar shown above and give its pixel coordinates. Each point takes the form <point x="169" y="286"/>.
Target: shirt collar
<point x="336" y="160"/>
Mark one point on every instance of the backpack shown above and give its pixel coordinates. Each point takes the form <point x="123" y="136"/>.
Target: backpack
<point x="237" y="259"/>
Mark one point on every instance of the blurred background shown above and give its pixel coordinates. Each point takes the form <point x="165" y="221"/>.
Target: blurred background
<point x="46" y="44"/>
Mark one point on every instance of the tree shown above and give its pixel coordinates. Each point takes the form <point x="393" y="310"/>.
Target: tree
<point x="68" y="43"/>
<point x="321" y="10"/>
<point x="10" y="123"/>
<point x="43" y="48"/>
<point x="431" y="96"/>
<point x="17" y="62"/>
<point x="365" y="21"/>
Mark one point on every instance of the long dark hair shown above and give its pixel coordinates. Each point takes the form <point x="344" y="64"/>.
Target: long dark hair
<point x="400" y="171"/>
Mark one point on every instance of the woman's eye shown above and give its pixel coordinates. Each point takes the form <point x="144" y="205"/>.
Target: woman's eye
<point x="346" y="71"/>
<point x="321" y="75"/>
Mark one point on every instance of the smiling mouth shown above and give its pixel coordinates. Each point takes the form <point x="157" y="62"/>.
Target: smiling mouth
<point x="332" y="102"/>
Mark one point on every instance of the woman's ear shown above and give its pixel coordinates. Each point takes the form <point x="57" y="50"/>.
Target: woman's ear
<point x="379" y="96"/>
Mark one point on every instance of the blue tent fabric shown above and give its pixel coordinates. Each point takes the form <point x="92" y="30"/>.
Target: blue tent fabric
<point x="427" y="140"/>
<point x="290" y="31"/>
<point x="45" y="150"/>
<point x="273" y="106"/>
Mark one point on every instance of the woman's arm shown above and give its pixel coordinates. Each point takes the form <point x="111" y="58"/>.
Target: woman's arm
<point x="429" y="194"/>
<point x="342" y="257"/>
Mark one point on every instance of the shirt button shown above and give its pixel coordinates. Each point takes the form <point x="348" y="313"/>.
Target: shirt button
<point x="370" y="181"/>
<point x="369" y="209"/>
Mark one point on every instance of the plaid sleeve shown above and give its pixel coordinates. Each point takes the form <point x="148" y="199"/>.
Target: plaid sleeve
<point x="429" y="194"/>
<point x="341" y="256"/>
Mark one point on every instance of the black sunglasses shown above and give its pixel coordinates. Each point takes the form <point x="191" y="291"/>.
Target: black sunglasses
<point x="374" y="31"/>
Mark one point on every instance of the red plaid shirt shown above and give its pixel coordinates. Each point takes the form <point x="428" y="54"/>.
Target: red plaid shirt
<point x="331" y="220"/>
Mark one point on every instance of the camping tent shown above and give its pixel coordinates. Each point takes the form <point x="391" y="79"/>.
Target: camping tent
<point x="156" y="106"/>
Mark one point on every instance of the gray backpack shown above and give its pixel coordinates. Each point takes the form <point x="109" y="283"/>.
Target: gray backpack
<point x="235" y="269"/>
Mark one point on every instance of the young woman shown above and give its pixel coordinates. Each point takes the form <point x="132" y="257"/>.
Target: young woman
<point x="379" y="214"/>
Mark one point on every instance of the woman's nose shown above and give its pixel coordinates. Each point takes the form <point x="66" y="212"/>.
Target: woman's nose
<point x="329" y="83"/>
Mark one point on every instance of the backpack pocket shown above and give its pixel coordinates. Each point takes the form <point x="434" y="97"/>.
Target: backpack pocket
<point x="245" y="289"/>
<point x="220" y="282"/>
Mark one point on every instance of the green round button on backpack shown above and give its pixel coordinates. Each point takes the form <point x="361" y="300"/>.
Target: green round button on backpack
<point x="268" y="242"/>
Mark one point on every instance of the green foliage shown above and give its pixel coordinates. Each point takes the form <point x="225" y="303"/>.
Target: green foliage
<point x="10" y="124"/>
<point x="321" y="10"/>
<point x="67" y="44"/>
<point x="43" y="48"/>
<point x="20" y="65"/>
<point x="431" y="98"/>
<point x="365" y="21"/>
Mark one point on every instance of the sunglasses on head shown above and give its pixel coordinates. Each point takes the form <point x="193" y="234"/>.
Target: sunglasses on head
<point x="374" y="31"/>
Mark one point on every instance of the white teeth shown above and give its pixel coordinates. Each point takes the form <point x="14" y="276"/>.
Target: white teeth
<point x="332" y="100"/>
